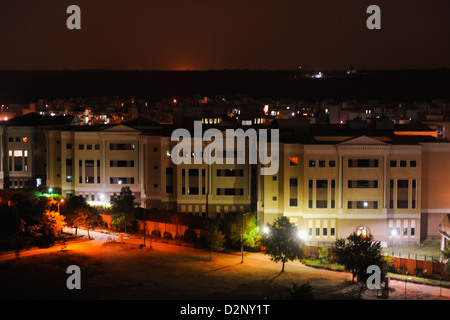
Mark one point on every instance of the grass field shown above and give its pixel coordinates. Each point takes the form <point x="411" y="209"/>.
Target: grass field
<point x="431" y="249"/>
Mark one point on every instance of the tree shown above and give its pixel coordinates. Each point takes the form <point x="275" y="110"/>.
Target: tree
<point x="357" y="253"/>
<point x="72" y="209"/>
<point x="282" y="243"/>
<point x="124" y="209"/>
<point x="213" y="238"/>
<point x="89" y="219"/>
<point x="53" y="222"/>
<point x="244" y="230"/>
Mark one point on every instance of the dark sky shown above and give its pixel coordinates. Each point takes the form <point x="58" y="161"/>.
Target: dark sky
<point x="224" y="34"/>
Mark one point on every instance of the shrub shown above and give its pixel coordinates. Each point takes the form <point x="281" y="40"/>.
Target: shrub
<point x="323" y="254"/>
<point x="302" y="292"/>
<point x="156" y="234"/>
<point x="178" y="236"/>
<point x="190" y="235"/>
<point x="167" y="235"/>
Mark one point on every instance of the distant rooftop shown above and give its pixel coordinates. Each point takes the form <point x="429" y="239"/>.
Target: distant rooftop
<point x="35" y="119"/>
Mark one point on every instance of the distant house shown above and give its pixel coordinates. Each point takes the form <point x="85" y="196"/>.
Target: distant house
<point x="445" y="231"/>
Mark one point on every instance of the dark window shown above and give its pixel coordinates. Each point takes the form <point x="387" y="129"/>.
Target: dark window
<point x="322" y="184"/>
<point x="121" y="163"/>
<point x="321" y="204"/>
<point x="121" y="146"/>
<point x="193" y="172"/>
<point x="363" y="163"/>
<point x="230" y="191"/>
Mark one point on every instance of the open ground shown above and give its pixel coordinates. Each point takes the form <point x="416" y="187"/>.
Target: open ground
<point x="112" y="270"/>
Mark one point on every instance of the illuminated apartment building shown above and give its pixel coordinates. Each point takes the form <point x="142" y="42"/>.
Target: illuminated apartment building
<point x="94" y="161"/>
<point x="340" y="185"/>
<point x="392" y="186"/>
<point x="23" y="150"/>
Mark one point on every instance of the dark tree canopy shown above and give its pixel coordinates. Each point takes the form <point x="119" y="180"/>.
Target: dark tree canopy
<point x="356" y="253"/>
<point x="282" y="243"/>
<point x="124" y="209"/>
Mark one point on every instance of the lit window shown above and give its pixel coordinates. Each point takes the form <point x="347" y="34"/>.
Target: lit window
<point x="293" y="161"/>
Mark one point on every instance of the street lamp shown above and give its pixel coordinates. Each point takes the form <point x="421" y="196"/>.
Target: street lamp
<point x="301" y="234"/>
<point x="242" y="238"/>
<point x="393" y="234"/>
<point x="406" y="280"/>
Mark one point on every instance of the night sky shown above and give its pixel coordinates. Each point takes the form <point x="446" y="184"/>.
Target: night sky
<point x="224" y="34"/>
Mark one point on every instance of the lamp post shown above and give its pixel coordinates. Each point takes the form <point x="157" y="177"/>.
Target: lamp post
<point x="59" y="204"/>
<point x="393" y="234"/>
<point x="302" y="236"/>
<point x="144" y="228"/>
<point x="406" y="280"/>
<point x="242" y="238"/>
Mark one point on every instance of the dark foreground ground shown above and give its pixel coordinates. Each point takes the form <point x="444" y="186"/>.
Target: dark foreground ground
<point x="170" y="272"/>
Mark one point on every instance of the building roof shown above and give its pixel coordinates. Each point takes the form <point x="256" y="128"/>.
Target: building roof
<point x="35" y="119"/>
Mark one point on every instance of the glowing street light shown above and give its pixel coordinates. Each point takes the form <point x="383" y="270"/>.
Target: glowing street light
<point x="393" y="234"/>
<point x="301" y="234"/>
<point x="59" y="205"/>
